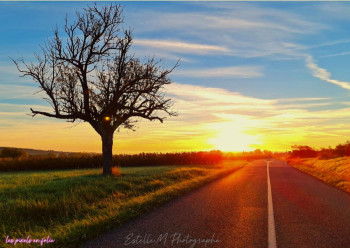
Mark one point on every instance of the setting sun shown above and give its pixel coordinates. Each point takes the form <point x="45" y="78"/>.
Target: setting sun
<point x="232" y="137"/>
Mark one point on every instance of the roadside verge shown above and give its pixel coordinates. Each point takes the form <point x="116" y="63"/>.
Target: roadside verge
<point x="335" y="172"/>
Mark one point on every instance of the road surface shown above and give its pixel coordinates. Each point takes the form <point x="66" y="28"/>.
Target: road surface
<point x="265" y="204"/>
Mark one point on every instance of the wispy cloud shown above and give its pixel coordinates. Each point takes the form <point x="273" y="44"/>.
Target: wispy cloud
<point x="15" y="91"/>
<point x="335" y="55"/>
<point x="334" y="10"/>
<point x="331" y="43"/>
<point x="21" y="108"/>
<point x="180" y="46"/>
<point x="304" y="99"/>
<point x="239" y="29"/>
<point x="323" y="74"/>
<point x="223" y="72"/>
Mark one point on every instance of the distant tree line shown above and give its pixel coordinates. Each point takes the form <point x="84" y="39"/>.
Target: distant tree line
<point x="184" y="158"/>
<point x="251" y="155"/>
<point x="53" y="161"/>
<point x="8" y="152"/>
<point x="340" y="150"/>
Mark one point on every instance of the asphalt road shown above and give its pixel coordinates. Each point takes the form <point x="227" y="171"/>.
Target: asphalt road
<point x="234" y="212"/>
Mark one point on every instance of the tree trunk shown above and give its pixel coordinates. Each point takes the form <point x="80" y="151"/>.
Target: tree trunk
<point x="107" y="144"/>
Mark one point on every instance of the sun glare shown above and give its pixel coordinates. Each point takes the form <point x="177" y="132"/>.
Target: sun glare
<point x="232" y="137"/>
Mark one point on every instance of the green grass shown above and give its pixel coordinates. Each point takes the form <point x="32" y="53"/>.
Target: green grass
<point x="335" y="172"/>
<point x="77" y="205"/>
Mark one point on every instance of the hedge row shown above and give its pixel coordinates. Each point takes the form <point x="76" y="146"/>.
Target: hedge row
<point x="33" y="163"/>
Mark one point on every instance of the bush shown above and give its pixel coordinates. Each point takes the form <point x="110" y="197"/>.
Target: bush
<point x="327" y="153"/>
<point x="343" y="149"/>
<point x="303" y="152"/>
<point x="12" y="153"/>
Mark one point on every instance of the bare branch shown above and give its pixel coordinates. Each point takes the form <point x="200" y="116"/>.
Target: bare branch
<point x="88" y="74"/>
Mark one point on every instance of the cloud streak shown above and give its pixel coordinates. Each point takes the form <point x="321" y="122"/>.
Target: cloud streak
<point x="323" y="74"/>
<point x="15" y="91"/>
<point x="335" y="55"/>
<point x="180" y="46"/>
<point x="223" y="72"/>
<point x="239" y="29"/>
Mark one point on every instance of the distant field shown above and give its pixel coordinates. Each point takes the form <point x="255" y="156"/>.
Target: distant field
<point x="333" y="171"/>
<point x="76" y="205"/>
<point x="38" y="152"/>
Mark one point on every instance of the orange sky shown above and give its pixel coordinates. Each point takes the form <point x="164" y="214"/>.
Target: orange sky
<point x="277" y="76"/>
<point x="209" y="118"/>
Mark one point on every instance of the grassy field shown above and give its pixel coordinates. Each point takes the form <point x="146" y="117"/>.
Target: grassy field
<point x="335" y="172"/>
<point x="76" y="205"/>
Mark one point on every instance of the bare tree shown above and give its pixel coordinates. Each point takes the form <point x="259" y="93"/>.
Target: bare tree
<point x="89" y="74"/>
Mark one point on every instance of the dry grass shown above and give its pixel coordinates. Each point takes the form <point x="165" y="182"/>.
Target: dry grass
<point x="332" y="171"/>
<point x="76" y="205"/>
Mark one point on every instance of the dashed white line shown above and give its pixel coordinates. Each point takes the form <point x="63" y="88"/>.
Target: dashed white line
<point x="271" y="220"/>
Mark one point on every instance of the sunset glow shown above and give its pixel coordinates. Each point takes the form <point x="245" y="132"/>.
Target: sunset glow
<point x="231" y="136"/>
<point x="263" y="86"/>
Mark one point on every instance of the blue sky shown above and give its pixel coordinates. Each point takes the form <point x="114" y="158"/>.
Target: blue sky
<point x="271" y="73"/>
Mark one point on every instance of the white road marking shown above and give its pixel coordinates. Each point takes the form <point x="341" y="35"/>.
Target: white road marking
<point x="271" y="219"/>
